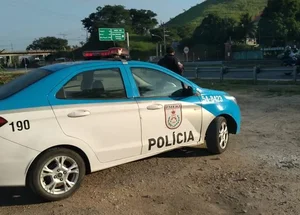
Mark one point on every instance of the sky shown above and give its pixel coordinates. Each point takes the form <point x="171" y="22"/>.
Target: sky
<point x="22" y="21"/>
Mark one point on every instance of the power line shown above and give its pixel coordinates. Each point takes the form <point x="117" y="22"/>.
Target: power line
<point x="63" y="35"/>
<point x="49" y="11"/>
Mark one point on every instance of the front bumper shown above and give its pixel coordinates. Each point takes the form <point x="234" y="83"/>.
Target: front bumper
<point x="14" y="162"/>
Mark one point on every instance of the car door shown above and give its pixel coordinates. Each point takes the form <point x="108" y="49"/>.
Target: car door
<point x="94" y="105"/>
<point x="168" y="118"/>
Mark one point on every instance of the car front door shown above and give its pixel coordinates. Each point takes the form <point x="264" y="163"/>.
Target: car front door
<point x="94" y="105"/>
<point x="169" y="119"/>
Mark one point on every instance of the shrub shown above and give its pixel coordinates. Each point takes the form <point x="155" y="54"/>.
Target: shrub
<point x="5" y="78"/>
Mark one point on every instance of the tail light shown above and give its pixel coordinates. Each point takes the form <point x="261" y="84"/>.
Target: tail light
<point x="2" y="121"/>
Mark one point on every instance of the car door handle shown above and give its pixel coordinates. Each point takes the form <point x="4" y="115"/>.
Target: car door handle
<point x="155" y="107"/>
<point x="79" y="113"/>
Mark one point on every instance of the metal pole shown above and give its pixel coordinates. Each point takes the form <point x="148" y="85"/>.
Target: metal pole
<point x="87" y="36"/>
<point x="295" y="73"/>
<point x="128" y="45"/>
<point x="160" y="51"/>
<point x="165" y="47"/>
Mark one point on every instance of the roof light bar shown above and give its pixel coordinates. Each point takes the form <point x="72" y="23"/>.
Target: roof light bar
<point x="110" y="53"/>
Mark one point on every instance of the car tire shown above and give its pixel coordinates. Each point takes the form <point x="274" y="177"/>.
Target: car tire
<point x="54" y="168"/>
<point x="217" y="139"/>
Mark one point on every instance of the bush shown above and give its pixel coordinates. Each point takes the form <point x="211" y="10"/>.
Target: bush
<point x="207" y="52"/>
<point x="5" y="78"/>
<point x="141" y="47"/>
<point x="244" y="47"/>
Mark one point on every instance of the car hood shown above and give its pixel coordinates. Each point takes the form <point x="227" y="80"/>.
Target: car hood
<point x="205" y="91"/>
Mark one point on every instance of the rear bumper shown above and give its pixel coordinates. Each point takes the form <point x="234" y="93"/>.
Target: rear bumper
<point x="14" y="162"/>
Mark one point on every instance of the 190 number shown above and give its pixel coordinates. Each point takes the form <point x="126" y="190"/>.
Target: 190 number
<point x="20" y="125"/>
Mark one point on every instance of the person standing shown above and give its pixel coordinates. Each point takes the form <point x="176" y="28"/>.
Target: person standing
<point x="170" y="62"/>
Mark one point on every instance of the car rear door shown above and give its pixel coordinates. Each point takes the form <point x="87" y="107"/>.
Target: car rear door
<point x="169" y="120"/>
<point x="96" y="106"/>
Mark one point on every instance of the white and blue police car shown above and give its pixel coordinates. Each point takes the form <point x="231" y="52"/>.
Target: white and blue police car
<point x="63" y="121"/>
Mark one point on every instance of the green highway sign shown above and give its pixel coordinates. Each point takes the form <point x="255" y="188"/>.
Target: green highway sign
<point x="111" y="34"/>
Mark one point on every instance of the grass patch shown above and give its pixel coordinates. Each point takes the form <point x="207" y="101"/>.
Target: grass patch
<point x="276" y="88"/>
<point x="7" y="77"/>
<point x="223" y="8"/>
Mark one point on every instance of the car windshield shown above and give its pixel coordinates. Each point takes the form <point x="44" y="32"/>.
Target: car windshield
<point x="22" y="82"/>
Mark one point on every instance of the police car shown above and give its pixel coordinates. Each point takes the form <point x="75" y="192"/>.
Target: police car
<point x="63" y="121"/>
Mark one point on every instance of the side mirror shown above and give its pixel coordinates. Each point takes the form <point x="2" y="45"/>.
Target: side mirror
<point x="195" y="92"/>
<point x="191" y="91"/>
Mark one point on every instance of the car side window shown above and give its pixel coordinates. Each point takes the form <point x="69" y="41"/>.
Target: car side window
<point x="154" y="83"/>
<point x="98" y="84"/>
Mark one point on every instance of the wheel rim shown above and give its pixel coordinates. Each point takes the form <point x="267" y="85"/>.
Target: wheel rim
<point x="59" y="175"/>
<point x="223" y="135"/>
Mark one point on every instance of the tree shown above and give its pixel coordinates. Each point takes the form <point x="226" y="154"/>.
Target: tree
<point x="185" y="31"/>
<point x="107" y="16"/>
<point x="142" y="20"/>
<point x="133" y="20"/>
<point x="214" y="30"/>
<point x="280" y="22"/>
<point x="246" y="28"/>
<point x="48" y="43"/>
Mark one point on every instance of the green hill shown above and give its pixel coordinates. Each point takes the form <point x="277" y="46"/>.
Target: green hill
<point x="223" y="8"/>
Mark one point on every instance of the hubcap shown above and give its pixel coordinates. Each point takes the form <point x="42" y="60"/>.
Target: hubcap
<point x="223" y="135"/>
<point x="59" y="175"/>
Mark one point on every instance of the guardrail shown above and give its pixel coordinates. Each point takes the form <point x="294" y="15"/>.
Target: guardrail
<point x="219" y="72"/>
<point x="197" y="69"/>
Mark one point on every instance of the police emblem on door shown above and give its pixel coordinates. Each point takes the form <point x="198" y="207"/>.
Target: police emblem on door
<point x="173" y="115"/>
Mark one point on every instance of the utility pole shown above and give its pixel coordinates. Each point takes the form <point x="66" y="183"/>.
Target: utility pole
<point x="87" y="35"/>
<point x="11" y="47"/>
<point x="128" y="45"/>
<point x="165" y="35"/>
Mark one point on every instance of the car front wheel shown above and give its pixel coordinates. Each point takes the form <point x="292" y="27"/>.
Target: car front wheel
<point x="56" y="174"/>
<point x="217" y="137"/>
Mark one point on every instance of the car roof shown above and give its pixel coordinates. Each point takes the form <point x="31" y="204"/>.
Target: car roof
<point x="64" y="65"/>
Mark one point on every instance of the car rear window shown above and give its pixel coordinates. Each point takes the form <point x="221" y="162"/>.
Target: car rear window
<point x="21" y="82"/>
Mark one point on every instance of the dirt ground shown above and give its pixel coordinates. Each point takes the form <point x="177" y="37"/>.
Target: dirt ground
<point x="259" y="174"/>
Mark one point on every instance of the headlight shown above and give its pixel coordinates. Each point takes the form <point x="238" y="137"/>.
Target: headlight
<point x="231" y="98"/>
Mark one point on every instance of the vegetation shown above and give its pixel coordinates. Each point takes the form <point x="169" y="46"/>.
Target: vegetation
<point x="137" y="22"/>
<point x="280" y="22"/>
<point x="279" y="25"/>
<point x="1" y="68"/>
<point x="275" y="88"/>
<point x="223" y="8"/>
<point x="133" y="20"/>
<point x="6" y="77"/>
<point x="49" y="43"/>
<point x="204" y="28"/>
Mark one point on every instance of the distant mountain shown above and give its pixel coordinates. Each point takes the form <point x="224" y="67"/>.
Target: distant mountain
<point x="223" y="8"/>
